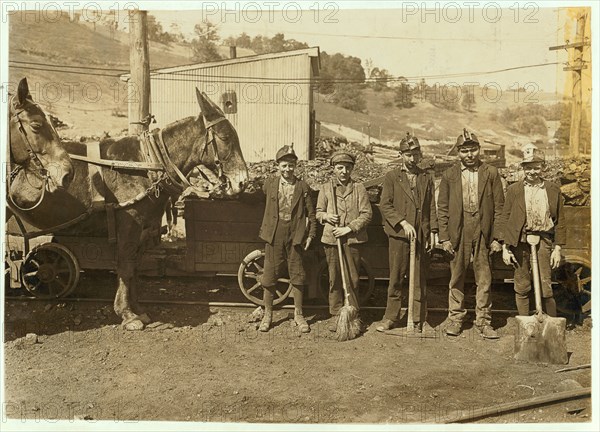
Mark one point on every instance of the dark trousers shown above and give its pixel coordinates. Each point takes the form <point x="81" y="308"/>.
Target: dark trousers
<point x="281" y="253"/>
<point x="399" y="257"/>
<point x="336" y="289"/>
<point x="472" y="247"/>
<point x="523" y="275"/>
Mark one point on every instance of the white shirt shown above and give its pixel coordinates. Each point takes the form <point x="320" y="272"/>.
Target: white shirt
<point x="537" y="207"/>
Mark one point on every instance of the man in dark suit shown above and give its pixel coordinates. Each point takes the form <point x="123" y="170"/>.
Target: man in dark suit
<point x="408" y="209"/>
<point x="470" y="203"/>
<point x="289" y="226"/>
<point x="533" y="206"/>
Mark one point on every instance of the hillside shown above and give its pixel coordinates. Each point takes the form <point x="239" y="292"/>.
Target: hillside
<point x="434" y="126"/>
<point x="90" y="101"/>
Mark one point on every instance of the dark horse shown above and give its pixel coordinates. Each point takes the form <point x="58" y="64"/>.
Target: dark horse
<point x="133" y="198"/>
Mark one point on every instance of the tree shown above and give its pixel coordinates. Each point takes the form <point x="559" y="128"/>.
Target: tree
<point x="379" y="78"/>
<point x="154" y="28"/>
<point x="204" y="46"/>
<point x="468" y="99"/>
<point x="403" y="95"/>
<point x="349" y="96"/>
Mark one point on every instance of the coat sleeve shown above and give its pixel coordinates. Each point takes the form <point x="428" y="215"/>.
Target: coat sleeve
<point x="443" y="209"/>
<point x="310" y="212"/>
<point x="500" y="224"/>
<point x="498" y="193"/>
<point x="560" y="232"/>
<point x="365" y="212"/>
<point x="433" y="216"/>
<point x="386" y="204"/>
<point x="322" y="201"/>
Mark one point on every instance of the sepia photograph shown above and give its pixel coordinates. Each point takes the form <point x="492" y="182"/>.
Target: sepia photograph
<point x="328" y="215"/>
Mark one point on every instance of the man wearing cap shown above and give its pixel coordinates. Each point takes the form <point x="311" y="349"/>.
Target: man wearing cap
<point x="470" y="203"/>
<point x="288" y="227"/>
<point x="346" y="218"/>
<point x="408" y="208"/>
<point x="533" y="206"/>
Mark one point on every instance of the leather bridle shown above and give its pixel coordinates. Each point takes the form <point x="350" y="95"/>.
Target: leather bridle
<point x="39" y="168"/>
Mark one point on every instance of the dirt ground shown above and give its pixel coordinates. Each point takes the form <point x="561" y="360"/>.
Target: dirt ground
<point x="210" y="364"/>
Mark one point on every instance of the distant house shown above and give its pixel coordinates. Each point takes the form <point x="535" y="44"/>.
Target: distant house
<point x="268" y="98"/>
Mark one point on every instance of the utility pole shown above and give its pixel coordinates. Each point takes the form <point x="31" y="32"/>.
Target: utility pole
<point x="139" y="82"/>
<point x="578" y="65"/>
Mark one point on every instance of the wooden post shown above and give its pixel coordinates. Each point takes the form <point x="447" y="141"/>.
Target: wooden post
<point x="139" y="63"/>
<point x="575" y="133"/>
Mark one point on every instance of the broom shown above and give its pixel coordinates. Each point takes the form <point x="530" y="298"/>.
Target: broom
<point x="348" y="325"/>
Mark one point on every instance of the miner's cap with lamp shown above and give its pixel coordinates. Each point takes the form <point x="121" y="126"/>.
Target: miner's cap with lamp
<point x="533" y="155"/>
<point x="409" y="142"/>
<point x="286" y="151"/>
<point x="342" y="156"/>
<point x="467" y="139"/>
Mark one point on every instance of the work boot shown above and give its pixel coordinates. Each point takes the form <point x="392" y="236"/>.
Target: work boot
<point x="386" y="324"/>
<point x="487" y="332"/>
<point x="300" y="322"/>
<point x="265" y="323"/>
<point x="454" y="328"/>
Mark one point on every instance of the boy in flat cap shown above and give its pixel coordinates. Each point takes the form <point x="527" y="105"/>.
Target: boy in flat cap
<point x="533" y="206"/>
<point x="288" y="228"/>
<point x="408" y="209"/>
<point x="470" y="203"/>
<point x="347" y="218"/>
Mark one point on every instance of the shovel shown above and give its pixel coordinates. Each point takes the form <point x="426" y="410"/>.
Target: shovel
<point x="410" y="323"/>
<point x="540" y="338"/>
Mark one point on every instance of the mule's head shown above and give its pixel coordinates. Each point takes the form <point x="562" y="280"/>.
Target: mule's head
<point x="35" y="149"/>
<point x="222" y="152"/>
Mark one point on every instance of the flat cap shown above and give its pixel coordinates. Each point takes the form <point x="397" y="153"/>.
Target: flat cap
<point x="342" y="156"/>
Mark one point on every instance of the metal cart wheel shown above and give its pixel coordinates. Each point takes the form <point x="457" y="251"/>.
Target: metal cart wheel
<point x="249" y="274"/>
<point x="50" y="270"/>
<point x="365" y="287"/>
<point x="573" y="286"/>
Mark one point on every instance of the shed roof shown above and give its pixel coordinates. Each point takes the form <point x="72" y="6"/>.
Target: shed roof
<point x="311" y="52"/>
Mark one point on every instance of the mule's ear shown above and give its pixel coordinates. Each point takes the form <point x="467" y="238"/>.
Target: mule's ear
<point x="209" y="110"/>
<point x="214" y="105"/>
<point x="23" y="91"/>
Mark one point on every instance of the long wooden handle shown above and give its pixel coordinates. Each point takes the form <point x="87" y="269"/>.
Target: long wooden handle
<point x="537" y="285"/>
<point x="411" y="282"/>
<point x="343" y="269"/>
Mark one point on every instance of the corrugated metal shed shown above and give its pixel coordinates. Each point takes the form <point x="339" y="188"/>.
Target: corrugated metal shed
<point x="273" y="93"/>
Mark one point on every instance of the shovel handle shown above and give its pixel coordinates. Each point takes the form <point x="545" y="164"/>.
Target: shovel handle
<point x="411" y="283"/>
<point x="537" y="285"/>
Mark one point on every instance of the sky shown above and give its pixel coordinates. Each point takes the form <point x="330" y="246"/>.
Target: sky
<point x="409" y="40"/>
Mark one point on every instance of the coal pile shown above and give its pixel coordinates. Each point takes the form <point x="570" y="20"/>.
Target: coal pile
<point x="318" y="171"/>
<point x="573" y="174"/>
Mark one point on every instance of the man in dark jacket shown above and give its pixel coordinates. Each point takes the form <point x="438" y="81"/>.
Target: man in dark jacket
<point x="533" y="206"/>
<point x="470" y="203"/>
<point x="408" y="208"/>
<point x="289" y="226"/>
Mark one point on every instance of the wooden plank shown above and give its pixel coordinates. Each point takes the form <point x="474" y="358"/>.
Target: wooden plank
<point x="227" y="232"/>
<point x="223" y="211"/>
<point x="222" y="255"/>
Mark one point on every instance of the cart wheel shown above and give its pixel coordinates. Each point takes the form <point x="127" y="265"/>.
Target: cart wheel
<point x="50" y="270"/>
<point x="249" y="274"/>
<point x="573" y="286"/>
<point x="366" y="284"/>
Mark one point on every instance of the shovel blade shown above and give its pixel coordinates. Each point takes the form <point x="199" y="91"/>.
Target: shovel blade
<point x="541" y="342"/>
